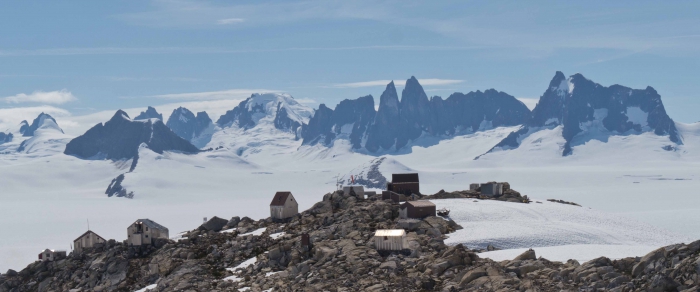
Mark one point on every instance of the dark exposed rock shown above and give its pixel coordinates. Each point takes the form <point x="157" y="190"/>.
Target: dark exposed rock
<point x="115" y="188"/>
<point x="5" y="137"/>
<point x="150" y="113"/>
<point x="120" y="138"/>
<point x="188" y="126"/>
<point x="575" y="102"/>
<point x="283" y="122"/>
<point x="397" y="123"/>
<point x="23" y="126"/>
<point x="214" y="224"/>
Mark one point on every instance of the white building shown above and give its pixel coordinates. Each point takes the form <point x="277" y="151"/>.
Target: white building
<point x="283" y="206"/>
<point x="51" y="255"/>
<point x="145" y="231"/>
<point x="390" y="239"/>
<point x="359" y="190"/>
<point x="87" y="240"/>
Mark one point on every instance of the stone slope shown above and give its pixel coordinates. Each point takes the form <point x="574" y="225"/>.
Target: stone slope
<point x="263" y="255"/>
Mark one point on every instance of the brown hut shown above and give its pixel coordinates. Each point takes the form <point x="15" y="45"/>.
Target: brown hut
<point x="417" y="210"/>
<point x="283" y="206"/>
<point x="404" y="183"/>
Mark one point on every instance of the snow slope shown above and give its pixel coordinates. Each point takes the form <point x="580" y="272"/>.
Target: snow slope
<point x="507" y="225"/>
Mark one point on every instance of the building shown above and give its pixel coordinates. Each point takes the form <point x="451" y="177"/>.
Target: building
<point x="473" y="187"/>
<point x="359" y="191"/>
<point x="390" y="239"/>
<point x="49" y="255"/>
<point x="394" y="197"/>
<point x="145" y="232"/>
<point x="87" y="240"/>
<point x="370" y="194"/>
<point x="417" y="210"/>
<point x="492" y="189"/>
<point x="404" y="183"/>
<point x="283" y="206"/>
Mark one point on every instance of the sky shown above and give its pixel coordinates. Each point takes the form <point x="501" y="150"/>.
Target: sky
<point x="82" y="57"/>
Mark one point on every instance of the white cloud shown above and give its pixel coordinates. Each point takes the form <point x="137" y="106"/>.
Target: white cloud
<point x="11" y="117"/>
<point x="230" y="20"/>
<point x="212" y="95"/>
<point x="52" y="97"/>
<point x="424" y="82"/>
<point x="529" y="102"/>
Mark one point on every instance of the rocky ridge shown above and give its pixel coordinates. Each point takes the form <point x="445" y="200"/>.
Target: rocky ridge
<point x="263" y="255"/>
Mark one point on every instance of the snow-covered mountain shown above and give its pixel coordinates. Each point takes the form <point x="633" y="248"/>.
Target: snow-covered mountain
<point x="43" y="121"/>
<point x="120" y="138"/>
<point x="45" y="137"/>
<point x="196" y="129"/>
<point x="586" y="110"/>
<point x="396" y="124"/>
<point x="150" y="113"/>
<point x="287" y="114"/>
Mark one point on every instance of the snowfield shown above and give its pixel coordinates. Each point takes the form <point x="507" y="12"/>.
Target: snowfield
<point x="558" y="229"/>
<point x="636" y="195"/>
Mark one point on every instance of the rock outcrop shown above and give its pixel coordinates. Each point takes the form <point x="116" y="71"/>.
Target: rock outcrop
<point x="150" y="113"/>
<point x="120" y="138"/>
<point x="350" y="120"/>
<point x="5" y="137"/>
<point x="263" y="255"/>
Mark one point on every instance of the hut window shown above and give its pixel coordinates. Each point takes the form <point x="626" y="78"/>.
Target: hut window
<point x="386" y="238"/>
<point x="146" y="228"/>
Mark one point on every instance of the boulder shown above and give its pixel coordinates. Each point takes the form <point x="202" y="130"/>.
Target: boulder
<point x="215" y="224"/>
<point x="472" y="275"/>
<point x="528" y="255"/>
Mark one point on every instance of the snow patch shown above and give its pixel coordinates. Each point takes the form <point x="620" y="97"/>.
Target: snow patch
<point x="256" y="232"/>
<point x="637" y="116"/>
<point x="147" y="288"/>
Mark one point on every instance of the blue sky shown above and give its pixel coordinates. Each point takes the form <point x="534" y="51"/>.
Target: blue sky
<point x="86" y="56"/>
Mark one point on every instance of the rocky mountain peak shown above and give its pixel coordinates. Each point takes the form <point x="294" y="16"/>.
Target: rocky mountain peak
<point x="43" y="121"/>
<point x="280" y="110"/>
<point x="190" y="127"/>
<point x="120" y="138"/>
<point x="150" y="113"/>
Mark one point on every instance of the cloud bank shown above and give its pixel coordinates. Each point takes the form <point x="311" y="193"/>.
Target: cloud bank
<point x="51" y="97"/>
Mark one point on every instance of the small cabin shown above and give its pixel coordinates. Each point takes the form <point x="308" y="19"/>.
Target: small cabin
<point x="87" y="240"/>
<point x="474" y="187"/>
<point x="145" y="232"/>
<point x="404" y="183"/>
<point x="394" y="197"/>
<point x="417" y="210"/>
<point x="492" y="189"/>
<point x="390" y="239"/>
<point x="49" y="255"/>
<point x="283" y="206"/>
<point x="358" y="190"/>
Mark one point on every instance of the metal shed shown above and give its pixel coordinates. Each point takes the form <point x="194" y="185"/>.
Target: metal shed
<point x="51" y="255"/>
<point x="283" y="206"/>
<point x="389" y="195"/>
<point x="492" y="189"/>
<point x="473" y="187"/>
<point x="359" y="191"/>
<point x="390" y="239"/>
<point x="404" y="178"/>
<point x="404" y="183"/>
<point x="417" y="209"/>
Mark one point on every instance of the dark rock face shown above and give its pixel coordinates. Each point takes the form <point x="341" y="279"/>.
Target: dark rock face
<point x="184" y="123"/>
<point x="575" y="103"/>
<point x="23" y="126"/>
<point x="5" y="137"/>
<point x="150" y="113"/>
<point x="327" y="124"/>
<point x="120" y="138"/>
<point x="240" y="115"/>
<point x="37" y="123"/>
<point x="115" y="188"/>
<point x="396" y="123"/>
<point x="283" y="122"/>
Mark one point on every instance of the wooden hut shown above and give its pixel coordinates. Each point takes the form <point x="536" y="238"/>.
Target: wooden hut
<point x="87" y="240"/>
<point x="145" y="232"/>
<point x="474" y="187"/>
<point x="283" y="206"/>
<point x="390" y="239"/>
<point x="48" y="255"/>
<point x="417" y="210"/>
<point x="404" y="183"/>
<point x="394" y="197"/>
<point x="358" y="190"/>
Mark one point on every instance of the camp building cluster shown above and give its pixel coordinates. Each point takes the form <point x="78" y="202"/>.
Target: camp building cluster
<point x="404" y="190"/>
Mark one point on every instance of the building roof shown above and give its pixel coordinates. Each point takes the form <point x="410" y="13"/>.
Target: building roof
<point x="422" y="203"/>
<point x="404" y="177"/>
<point x="152" y="224"/>
<point x="280" y="198"/>
<point x="86" y="232"/>
<point x="390" y="232"/>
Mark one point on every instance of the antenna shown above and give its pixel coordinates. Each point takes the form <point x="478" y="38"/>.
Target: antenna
<point x="88" y="221"/>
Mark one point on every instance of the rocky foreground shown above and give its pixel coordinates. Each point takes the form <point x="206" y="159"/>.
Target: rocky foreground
<point x="242" y="254"/>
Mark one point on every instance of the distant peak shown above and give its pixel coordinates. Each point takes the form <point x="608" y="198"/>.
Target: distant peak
<point x="121" y="114"/>
<point x="557" y="79"/>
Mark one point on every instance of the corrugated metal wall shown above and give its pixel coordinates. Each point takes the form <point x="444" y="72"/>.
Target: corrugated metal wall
<point x="389" y="242"/>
